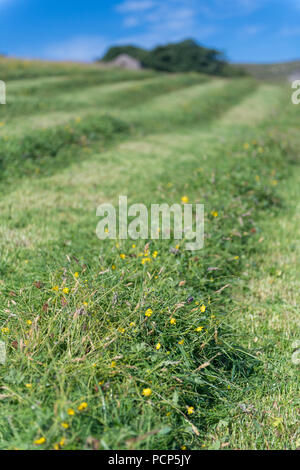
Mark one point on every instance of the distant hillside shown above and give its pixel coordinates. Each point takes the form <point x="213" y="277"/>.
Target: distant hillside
<point x="280" y="71"/>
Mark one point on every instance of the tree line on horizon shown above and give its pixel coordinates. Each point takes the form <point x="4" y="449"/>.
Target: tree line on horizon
<point x="184" y="56"/>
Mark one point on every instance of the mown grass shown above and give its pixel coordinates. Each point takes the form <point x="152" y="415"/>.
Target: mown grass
<point x="80" y="349"/>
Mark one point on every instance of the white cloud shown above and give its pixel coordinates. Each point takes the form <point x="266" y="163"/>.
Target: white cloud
<point x="82" y="48"/>
<point x="163" y="21"/>
<point x="130" y="6"/>
<point x="222" y="9"/>
<point x="172" y="20"/>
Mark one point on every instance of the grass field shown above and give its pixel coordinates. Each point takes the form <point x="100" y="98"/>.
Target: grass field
<point x="211" y="367"/>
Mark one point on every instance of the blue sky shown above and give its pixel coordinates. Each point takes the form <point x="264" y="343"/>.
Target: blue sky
<point x="247" y="30"/>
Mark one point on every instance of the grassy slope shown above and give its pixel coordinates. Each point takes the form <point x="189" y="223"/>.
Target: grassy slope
<point x="57" y="359"/>
<point x="264" y="412"/>
<point x="278" y="72"/>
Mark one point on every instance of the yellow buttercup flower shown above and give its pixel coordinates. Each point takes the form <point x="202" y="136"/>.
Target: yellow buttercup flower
<point x="148" y="312"/>
<point x="113" y="267"/>
<point x="5" y="330"/>
<point x="62" y="442"/>
<point x="199" y="329"/>
<point x="82" y="406"/>
<point x="70" y="412"/>
<point x="65" y="425"/>
<point x="173" y="321"/>
<point x="147" y="392"/>
<point x="113" y="364"/>
<point x="122" y="256"/>
<point x="55" y="288"/>
<point x="28" y="385"/>
<point x="181" y="342"/>
<point x="214" y="213"/>
<point x="184" y="199"/>
<point x="202" y="308"/>
<point x="76" y="275"/>
<point x="66" y="290"/>
<point x="158" y="346"/>
<point x="190" y="410"/>
<point x="29" y="322"/>
<point x="40" y="441"/>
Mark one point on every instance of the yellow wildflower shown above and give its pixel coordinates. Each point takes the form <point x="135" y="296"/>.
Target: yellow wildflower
<point x="62" y="442"/>
<point x="40" y="441"/>
<point x="173" y="321"/>
<point x="202" y="308"/>
<point x="214" y="213"/>
<point x="147" y="392"/>
<point x="5" y="330"/>
<point x="181" y="342"/>
<point x="113" y="267"/>
<point x="184" y="199"/>
<point x="28" y="385"/>
<point x="65" y="425"/>
<point x="183" y="447"/>
<point x="190" y="410"/>
<point x="122" y="256"/>
<point x="76" y="275"/>
<point x="82" y="406"/>
<point x="55" y="288"/>
<point x="29" y="322"/>
<point x="155" y="254"/>
<point x="70" y="412"/>
<point x="113" y="364"/>
<point x="199" y="329"/>
<point x="158" y="346"/>
<point x="66" y="290"/>
<point x="148" y="312"/>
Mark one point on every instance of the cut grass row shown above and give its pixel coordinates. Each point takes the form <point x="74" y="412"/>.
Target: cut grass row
<point x="49" y="149"/>
<point x="73" y="95"/>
